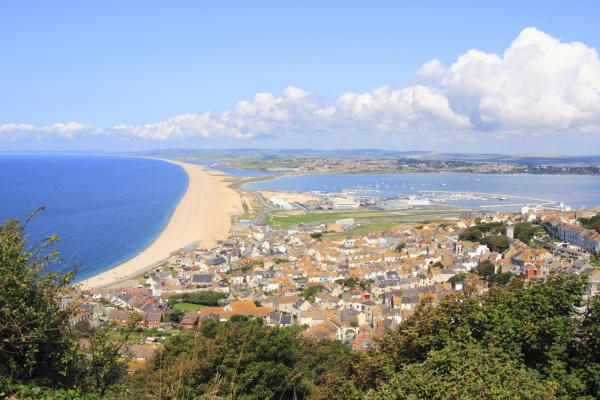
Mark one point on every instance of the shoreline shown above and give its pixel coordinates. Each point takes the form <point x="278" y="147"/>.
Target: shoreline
<point x="202" y="217"/>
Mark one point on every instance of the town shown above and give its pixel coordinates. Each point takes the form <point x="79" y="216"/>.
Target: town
<point x="324" y="164"/>
<point x="348" y="275"/>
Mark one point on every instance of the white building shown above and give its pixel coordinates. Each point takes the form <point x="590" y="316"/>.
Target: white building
<point x="281" y="204"/>
<point x="344" y="203"/>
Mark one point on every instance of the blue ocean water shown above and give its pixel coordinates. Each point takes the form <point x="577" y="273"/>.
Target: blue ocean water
<point x="573" y="190"/>
<point x="105" y="209"/>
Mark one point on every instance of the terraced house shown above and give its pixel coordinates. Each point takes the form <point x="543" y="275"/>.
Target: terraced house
<point x="587" y="239"/>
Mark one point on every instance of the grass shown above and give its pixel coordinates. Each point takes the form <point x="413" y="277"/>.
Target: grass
<point x="288" y="220"/>
<point x="369" y="221"/>
<point x="187" y="306"/>
<point x="370" y="227"/>
<point x="237" y="182"/>
<point x="138" y="335"/>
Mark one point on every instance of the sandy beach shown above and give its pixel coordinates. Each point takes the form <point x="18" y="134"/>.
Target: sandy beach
<point x="202" y="216"/>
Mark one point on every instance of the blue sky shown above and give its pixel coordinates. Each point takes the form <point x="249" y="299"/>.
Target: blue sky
<point x="102" y="65"/>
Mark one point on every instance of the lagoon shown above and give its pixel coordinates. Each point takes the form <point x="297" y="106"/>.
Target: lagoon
<point x="572" y="190"/>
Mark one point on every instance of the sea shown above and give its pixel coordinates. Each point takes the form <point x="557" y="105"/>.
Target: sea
<point x="105" y="209"/>
<point x="571" y="190"/>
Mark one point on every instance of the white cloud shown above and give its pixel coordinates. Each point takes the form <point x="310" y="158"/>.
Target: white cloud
<point x="539" y="85"/>
<point x="67" y="130"/>
<point x="412" y="109"/>
<point x="431" y="71"/>
<point x="264" y="115"/>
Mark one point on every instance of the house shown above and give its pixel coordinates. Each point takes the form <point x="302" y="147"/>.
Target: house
<point x="214" y="261"/>
<point x="142" y="352"/>
<point x="327" y="330"/>
<point x="531" y="271"/>
<point x="203" y="280"/>
<point x="312" y="317"/>
<point x="119" y="317"/>
<point x="587" y="239"/>
<point x="189" y="320"/>
<point x="153" y="319"/>
<point x="238" y="278"/>
<point x="352" y="317"/>
<point x="246" y="308"/>
<point x="593" y="288"/>
<point x="301" y="305"/>
<point x="278" y="319"/>
<point x="285" y="303"/>
<point x="363" y="341"/>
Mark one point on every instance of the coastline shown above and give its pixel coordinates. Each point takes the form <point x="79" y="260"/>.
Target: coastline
<point x="202" y="217"/>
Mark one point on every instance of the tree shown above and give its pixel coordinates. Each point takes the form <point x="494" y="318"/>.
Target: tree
<point x="471" y="234"/>
<point x="432" y="327"/>
<point x="33" y="341"/>
<point x="501" y="278"/>
<point x="400" y="246"/>
<point x="486" y="269"/>
<point x="244" y="360"/>
<point x="524" y="231"/>
<point x="497" y="243"/>
<point x="106" y="356"/>
<point x="203" y="297"/>
<point x="534" y="324"/>
<point x="586" y="357"/>
<point x="456" y="279"/>
<point x="364" y="284"/>
<point x="209" y="328"/>
<point x="350" y="282"/>
<point x="239" y="318"/>
<point x="30" y="391"/>
<point x="310" y="293"/>
<point x="591" y="223"/>
<point x="492" y="227"/>
<point x="39" y="356"/>
<point x="465" y="371"/>
<point x="337" y="372"/>
<point x="175" y="316"/>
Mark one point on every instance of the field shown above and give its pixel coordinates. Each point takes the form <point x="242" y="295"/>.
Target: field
<point x="284" y="221"/>
<point x="368" y="220"/>
<point x="366" y="228"/>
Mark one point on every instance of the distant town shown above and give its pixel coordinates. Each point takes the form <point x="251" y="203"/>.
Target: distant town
<point x="306" y="161"/>
<point x="311" y="165"/>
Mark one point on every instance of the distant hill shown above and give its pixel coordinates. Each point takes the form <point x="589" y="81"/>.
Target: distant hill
<point x="373" y="153"/>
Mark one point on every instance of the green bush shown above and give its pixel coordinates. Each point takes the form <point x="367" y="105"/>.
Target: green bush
<point x="29" y="391"/>
<point x="201" y="297"/>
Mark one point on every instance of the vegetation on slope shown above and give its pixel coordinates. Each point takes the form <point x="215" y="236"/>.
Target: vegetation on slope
<point x="531" y="340"/>
<point x="591" y="223"/>
<point x="40" y="356"/>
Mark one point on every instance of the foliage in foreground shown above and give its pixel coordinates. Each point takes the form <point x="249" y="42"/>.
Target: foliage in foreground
<point x="525" y="340"/>
<point x="32" y="343"/>
<point x="40" y="356"/>
<point x="31" y="391"/>
<point x="530" y="340"/>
